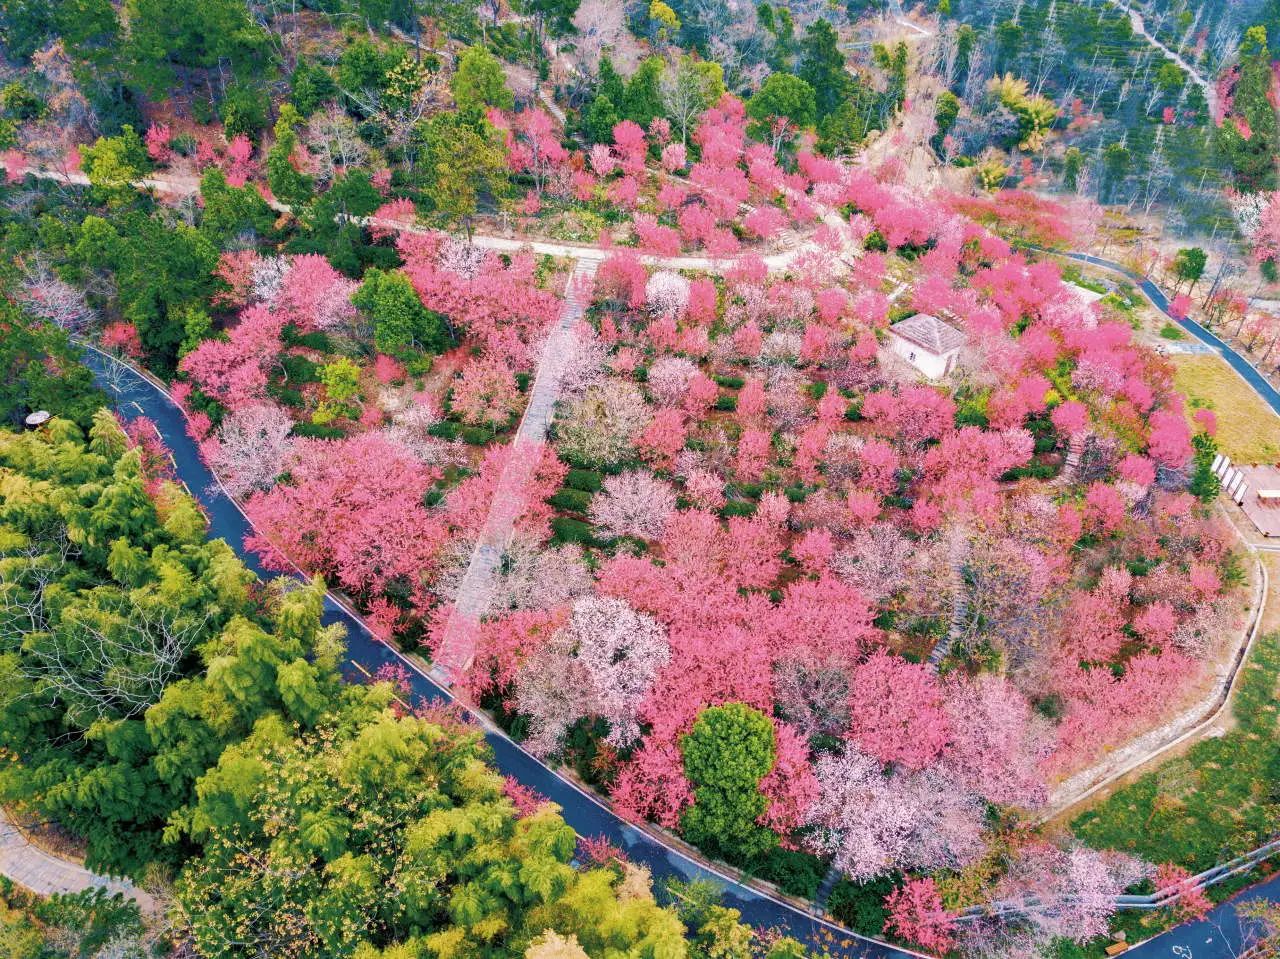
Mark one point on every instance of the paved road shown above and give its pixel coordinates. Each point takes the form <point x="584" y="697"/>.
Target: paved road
<point x="1161" y="302"/>
<point x="583" y="811"/>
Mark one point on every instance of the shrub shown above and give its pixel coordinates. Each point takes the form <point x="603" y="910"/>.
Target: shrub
<point x="572" y="500"/>
<point x="522" y="382"/>
<point x="476" y="435"/>
<point x="860" y="906"/>
<point x="568" y="530"/>
<point x="286" y="396"/>
<point x="1171" y="332"/>
<point x="737" y="508"/>
<point x="315" y="340"/>
<point x="244" y="110"/>
<point x="299" y="369"/>
<point x="795" y="873"/>
<point x="1040" y="471"/>
<point x="726" y="404"/>
<point x="730" y="382"/>
<point x="444" y="430"/>
<point x="797" y="494"/>
<point x="588" y="481"/>
<point x="317" y="431"/>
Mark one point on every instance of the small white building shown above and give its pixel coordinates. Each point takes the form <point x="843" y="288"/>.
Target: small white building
<point x="927" y="343"/>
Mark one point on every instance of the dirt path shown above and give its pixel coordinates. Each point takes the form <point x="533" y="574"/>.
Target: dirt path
<point x="1140" y="28"/>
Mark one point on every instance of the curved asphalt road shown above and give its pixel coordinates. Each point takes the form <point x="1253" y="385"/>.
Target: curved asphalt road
<point x="1161" y="302"/>
<point x="1221" y="934"/>
<point x="588" y="817"/>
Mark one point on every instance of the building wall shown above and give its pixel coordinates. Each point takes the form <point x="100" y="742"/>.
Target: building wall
<point x="930" y="364"/>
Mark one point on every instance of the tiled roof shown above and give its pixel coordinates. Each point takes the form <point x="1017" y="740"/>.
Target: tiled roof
<point x="929" y="333"/>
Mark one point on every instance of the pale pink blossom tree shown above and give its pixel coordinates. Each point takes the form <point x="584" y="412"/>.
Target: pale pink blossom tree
<point x="871" y="823"/>
<point x="633" y="504"/>
<point x="601" y="663"/>
<point x="250" y="448"/>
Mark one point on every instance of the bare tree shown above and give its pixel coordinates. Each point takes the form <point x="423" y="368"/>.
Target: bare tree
<point x="685" y="94"/>
<point x="112" y="663"/>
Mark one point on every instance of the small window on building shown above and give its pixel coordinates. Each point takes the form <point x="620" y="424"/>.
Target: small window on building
<point x="911" y="356"/>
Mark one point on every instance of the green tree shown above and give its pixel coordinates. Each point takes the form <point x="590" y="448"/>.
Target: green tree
<point x="231" y="210"/>
<point x="288" y="184"/>
<point x="479" y="81"/>
<point x="244" y="109"/>
<point x="642" y="101"/>
<point x="945" y="114"/>
<point x="663" y="22"/>
<point x="158" y="271"/>
<point x="1250" y="139"/>
<point x="113" y="165"/>
<point x="782" y="97"/>
<point x="383" y="832"/>
<point x="892" y="61"/>
<point x="1117" y="161"/>
<point x="726" y="754"/>
<point x="1189" y="264"/>
<point x="40" y="370"/>
<point x="1072" y="168"/>
<point x="966" y="43"/>
<point x="822" y="66"/>
<point x="89" y="684"/>
<point x="610" y="83"/>
<point x="464" y="161"/>
<point x="1009" y="37"/>
<point x="600" y="119"/>
<point x="310" y="86"/>
<point x="164" y="34"/>
<point x="401" y="324"/>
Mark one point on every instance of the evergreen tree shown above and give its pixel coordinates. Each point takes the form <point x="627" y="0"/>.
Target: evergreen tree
<point x="643" y="100"/>
<point x="726" y="754"/>
<point x="822" y="66"/>
<point x="479" y="81"/>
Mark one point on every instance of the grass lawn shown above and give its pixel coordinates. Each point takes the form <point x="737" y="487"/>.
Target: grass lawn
<point x="1248" y="431"/>
<point x="1220" y="799"/>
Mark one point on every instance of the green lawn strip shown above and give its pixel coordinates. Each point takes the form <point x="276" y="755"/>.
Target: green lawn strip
<point x="1218" y="800"/>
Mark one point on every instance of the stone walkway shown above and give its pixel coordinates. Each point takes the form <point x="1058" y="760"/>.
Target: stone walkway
<point x="457" y="648"/>
<point x="46" y="874"/>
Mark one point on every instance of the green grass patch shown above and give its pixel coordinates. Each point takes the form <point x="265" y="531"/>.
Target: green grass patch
<point x="1171" y="332"/>
<point x="1218" y="800"/>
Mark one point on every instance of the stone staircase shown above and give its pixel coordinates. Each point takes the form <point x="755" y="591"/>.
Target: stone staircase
<point x="960" y="607"/>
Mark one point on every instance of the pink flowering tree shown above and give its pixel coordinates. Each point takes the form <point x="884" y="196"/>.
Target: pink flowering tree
<point x="916" y="914"/>
<point x="353" y="511"/>
<point x="898" y="712"/>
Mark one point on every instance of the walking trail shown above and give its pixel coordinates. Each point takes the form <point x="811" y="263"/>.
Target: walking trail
<point x="1140" y="28"/>
<point x="475" y="593"/>
<point x="46" y="874"/>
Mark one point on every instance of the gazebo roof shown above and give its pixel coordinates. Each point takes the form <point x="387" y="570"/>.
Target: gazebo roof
<point x="929" y="333"/>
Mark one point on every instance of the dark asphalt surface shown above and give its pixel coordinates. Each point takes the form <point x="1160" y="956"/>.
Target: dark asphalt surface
<point x="583" y="812"/>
